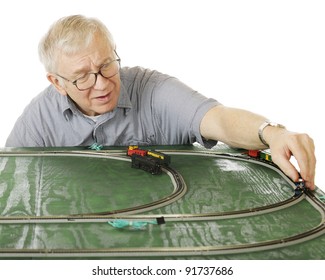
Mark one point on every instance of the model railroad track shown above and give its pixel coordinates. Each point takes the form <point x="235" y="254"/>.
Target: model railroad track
<point x="179" y="191"/>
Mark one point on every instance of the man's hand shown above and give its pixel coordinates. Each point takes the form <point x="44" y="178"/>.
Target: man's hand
<point x="284" y="144"/>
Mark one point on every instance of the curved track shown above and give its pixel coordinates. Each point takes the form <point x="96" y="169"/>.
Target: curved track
<point x="177" y="180"/>
<point x="179" y="190"/>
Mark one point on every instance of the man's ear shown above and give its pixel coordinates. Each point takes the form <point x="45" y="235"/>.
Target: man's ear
<point x="55" y="81"/>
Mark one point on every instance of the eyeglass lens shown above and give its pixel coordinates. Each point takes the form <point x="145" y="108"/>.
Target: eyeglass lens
<point x="107" y="71"/>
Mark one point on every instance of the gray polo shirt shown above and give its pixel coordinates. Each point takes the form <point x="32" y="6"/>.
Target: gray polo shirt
<point x="153" y="109"/>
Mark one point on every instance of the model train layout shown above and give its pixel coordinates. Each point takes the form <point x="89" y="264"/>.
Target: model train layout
<point x="192" y="198"/>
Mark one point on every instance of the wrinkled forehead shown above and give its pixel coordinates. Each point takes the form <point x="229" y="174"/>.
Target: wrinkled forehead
<point x="87" y="58"/>
<point x="79" y="47"/>
<point x="79" y="42"/>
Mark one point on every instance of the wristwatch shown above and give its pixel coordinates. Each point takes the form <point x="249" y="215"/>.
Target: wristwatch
<point x="264" y="125"/>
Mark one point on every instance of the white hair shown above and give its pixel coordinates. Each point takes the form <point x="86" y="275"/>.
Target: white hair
<point x="69" y="35"/>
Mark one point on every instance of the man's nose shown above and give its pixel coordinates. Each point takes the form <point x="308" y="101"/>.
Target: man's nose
<point x="101" y="82"/>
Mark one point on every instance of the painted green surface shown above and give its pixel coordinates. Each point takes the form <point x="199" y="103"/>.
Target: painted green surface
<point x="73" y="185"/>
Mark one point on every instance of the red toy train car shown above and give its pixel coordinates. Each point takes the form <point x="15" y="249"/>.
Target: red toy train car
<point x="134" y="150"/>
<point x="264" y="154"/>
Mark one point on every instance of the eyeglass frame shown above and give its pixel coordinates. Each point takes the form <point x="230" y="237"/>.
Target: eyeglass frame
<point x="118" y="59"/>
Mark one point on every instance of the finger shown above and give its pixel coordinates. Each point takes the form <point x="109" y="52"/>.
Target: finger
<point x="307" y="165"/>
<point x="287" y="167"/>
<point x="304" y="153"/>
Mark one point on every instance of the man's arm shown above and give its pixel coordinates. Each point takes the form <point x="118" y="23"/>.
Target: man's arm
<point x="239" y="128"/>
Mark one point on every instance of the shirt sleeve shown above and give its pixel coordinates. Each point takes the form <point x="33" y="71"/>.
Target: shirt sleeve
<point x="22" y="136"/>
<point x="178" y="111"/>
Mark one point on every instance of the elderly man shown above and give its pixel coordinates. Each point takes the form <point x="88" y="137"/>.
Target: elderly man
<point x="92" y="100"/>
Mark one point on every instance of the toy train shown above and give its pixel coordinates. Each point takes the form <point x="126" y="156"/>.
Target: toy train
<point x="152" y="161"/>
<point x="148" y="160"/>
<point x="262" y="155"/>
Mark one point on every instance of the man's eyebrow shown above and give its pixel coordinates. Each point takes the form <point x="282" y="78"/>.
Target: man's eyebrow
<point x="79" y="71"/>
<point x="107" y="60"/>
<point x="83" y="70"/>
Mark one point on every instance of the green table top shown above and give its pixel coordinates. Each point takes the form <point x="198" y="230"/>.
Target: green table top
<point x="61" y="203"/>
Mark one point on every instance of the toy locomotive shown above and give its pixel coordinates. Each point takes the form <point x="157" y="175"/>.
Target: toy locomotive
<point x="148" y="160"/>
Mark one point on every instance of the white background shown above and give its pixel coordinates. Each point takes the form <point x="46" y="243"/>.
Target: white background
<point x="83" y="270"/>
<point x="264" y="56"/>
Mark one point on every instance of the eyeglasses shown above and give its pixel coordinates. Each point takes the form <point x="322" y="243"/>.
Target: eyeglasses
<point x="107" y="71"/>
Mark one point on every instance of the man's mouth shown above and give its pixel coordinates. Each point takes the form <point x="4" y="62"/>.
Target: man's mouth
<point x="103" y="98"/>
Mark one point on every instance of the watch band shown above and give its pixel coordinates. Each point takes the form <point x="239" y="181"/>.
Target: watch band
<point x="263" y="126"/>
